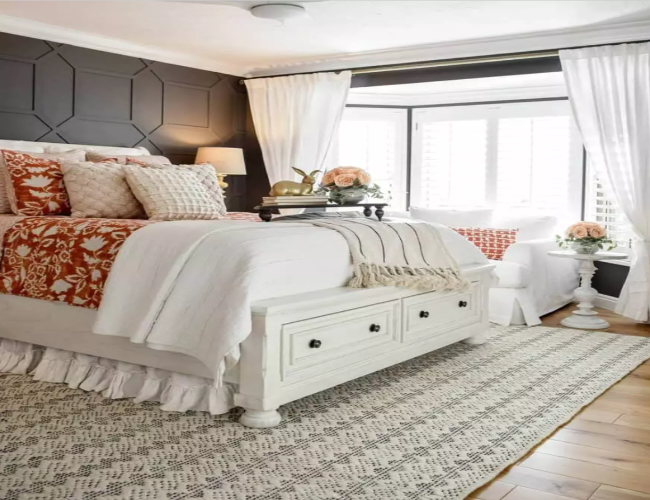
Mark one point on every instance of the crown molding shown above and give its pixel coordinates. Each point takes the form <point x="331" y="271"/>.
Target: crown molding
<point x="460" y="97"/>
<point x="594" y="35"/>
<point x="573" y="37"/>
<point x="44" y="31"/>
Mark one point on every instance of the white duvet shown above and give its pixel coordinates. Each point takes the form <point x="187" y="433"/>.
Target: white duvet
<point x="188" y="286"/>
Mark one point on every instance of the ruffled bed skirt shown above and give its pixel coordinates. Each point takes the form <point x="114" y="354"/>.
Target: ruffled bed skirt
<point x="114" y="379"/>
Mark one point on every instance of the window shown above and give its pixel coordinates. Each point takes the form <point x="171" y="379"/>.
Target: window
<point x="513" y="155"/>
<point x="601" y="208"/>
<point x="375" y="139"/>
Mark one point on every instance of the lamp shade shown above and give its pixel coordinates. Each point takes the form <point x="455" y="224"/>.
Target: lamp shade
<point x="229" y="161"/>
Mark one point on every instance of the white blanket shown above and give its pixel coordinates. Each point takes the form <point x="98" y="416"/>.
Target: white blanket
<point x="188" y="286"/>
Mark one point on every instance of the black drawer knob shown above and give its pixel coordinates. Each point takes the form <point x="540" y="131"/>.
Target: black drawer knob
<point x="375" y="328"/>
<point x="315" y="343"/>
<point x="424" y="314"/>
<point x="462" y="303"/>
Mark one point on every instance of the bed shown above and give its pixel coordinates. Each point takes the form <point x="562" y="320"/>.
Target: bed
<point x="246" y="314"/>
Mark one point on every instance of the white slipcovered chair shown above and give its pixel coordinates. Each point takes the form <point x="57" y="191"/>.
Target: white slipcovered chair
<point x="528" y="282"/>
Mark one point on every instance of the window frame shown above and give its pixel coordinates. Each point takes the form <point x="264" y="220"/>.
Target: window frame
<point x="591" y="180"/>
<point x="492" y="111"/>
<point x="398" y="115"/>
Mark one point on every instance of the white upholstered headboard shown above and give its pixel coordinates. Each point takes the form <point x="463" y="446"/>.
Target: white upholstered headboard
<point x="51" y="147"/>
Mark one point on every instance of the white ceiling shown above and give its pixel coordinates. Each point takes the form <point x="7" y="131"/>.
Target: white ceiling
<point x="224" y="36"/>
<point x="531" y="86"/>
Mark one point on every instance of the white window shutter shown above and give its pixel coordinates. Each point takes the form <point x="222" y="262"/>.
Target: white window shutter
<point x="603" y="209"/>
<point x="509" y="156"/>
<point x="534" y="163"/>
<point x="452" y="163"/>
<point x="375" y="139"/>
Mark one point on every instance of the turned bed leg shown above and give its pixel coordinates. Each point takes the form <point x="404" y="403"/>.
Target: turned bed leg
<point x="478" y="339"/>
<point x="260" y="419"/>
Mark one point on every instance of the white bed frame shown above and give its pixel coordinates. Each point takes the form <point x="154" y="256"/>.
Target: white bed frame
<point x="299" y="345"/>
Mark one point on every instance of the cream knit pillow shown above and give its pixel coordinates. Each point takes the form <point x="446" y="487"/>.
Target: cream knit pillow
<point x="208" y="177"/>
<point x="100" y="190"/>
<point x="171" y="193"/>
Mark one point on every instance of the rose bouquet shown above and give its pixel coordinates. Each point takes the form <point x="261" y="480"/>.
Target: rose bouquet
<point x="348" y="185"/>
<point x="585" y="237"/>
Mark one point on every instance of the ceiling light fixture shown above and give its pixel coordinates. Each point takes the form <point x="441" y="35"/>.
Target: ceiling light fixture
<point x="279" y="11"/>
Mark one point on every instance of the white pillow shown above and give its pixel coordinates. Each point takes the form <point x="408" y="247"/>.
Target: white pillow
<point x="531" y="226"/>
<point x="480" y="217"/>
<point x="23" y="146"/>
<point x="104" y="150"/>
<point x="100" y="190"/>
<point x="143" y="161"/>
<point x="208" y="177"/>
<point x="171" y="193"/>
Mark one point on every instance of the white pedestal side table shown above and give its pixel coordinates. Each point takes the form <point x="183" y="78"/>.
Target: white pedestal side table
<point x="585" y="317"/>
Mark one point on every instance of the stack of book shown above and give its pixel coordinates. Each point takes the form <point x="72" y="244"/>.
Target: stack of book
<point x="295" y="200"/>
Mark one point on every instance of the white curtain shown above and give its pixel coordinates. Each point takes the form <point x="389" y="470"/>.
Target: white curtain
<point x="296" y="118"/>
<point x="609" y="90"/>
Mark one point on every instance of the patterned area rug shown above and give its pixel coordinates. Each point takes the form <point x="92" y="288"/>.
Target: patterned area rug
<point x="436" y="427"/>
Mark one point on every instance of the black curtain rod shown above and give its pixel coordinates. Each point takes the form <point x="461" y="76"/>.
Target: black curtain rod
<point x="465" y="61"/>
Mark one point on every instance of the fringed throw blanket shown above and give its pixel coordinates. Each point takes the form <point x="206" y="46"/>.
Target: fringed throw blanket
<point x="403" y="254"/>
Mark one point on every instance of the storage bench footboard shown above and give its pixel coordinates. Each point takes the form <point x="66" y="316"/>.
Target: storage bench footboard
<point x="304" y="344"/>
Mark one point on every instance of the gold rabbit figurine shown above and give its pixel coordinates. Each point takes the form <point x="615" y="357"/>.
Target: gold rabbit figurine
<point x="291" y="188"/>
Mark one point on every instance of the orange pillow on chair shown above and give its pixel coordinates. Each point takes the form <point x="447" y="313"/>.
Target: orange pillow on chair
<point x="493" y="243"/>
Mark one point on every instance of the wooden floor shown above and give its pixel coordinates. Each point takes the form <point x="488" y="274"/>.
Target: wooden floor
<point x="602" y="454"/>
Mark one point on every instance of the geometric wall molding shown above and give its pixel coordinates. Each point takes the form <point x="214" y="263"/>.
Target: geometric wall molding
<point x="61" y="93"/>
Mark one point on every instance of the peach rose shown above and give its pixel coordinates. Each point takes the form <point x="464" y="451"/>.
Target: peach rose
<point x="364" y="177"/>
<point x="328" y="178"/>
<point x="345" y="180"/>
<point x="580" y="232"/>
<point x="571" y="228"/>
<point x="349" y="170"/>
<point x="597" y="232"/>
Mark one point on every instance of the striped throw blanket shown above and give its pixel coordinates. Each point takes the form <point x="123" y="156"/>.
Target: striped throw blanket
<point x="404" y="254"/>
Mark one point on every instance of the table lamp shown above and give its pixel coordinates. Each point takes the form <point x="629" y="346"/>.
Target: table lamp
<point x="226" y="161"/>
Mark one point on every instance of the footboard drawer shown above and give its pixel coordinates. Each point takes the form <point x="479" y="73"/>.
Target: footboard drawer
<point x="430" y="313"/>
<point x="317" y="345"/>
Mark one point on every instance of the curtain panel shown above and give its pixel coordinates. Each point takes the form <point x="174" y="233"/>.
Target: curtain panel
<point x="609" y="91"/>
<point x="296" y="118"/>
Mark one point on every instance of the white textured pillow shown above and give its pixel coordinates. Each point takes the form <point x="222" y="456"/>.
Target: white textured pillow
<point x="100" y="190"/>
<point x="208" y="177"/>
<point x="171" y="194"/>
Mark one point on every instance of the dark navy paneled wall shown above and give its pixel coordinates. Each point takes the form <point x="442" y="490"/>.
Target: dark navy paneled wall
<point x="61" y="93"/>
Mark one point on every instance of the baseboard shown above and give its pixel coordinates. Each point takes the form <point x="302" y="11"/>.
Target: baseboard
<point x="605" y="302"/>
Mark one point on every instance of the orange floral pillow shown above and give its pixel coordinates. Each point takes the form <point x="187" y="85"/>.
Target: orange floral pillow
<point x="493" y="243"/>
<point x="35" y="185"/>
